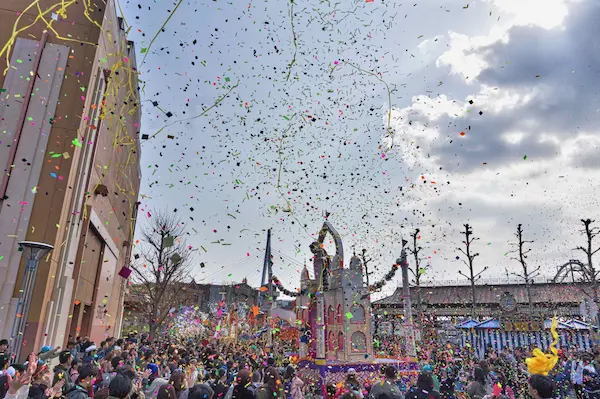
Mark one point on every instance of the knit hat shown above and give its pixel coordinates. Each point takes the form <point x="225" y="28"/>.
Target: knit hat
<point x="46" y="348"/>
<point x="153" y="368"/>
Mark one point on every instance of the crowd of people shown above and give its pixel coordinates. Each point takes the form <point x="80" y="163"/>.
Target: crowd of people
<point x="138" y="368"/>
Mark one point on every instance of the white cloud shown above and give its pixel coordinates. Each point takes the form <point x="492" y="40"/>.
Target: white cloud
<point x="513" y="137"/>
<point x="462" y="59"/>
<point x="547" y="14"/>
<point x="465" y="56"/>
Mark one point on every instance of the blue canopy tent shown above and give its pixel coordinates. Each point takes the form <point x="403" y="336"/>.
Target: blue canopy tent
<point x="480" y="335"/>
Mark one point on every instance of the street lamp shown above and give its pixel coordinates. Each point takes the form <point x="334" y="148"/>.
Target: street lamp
<point x="33" y="252"/>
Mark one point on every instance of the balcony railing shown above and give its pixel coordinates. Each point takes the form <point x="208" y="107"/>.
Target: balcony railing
<point x="482" y="281"/>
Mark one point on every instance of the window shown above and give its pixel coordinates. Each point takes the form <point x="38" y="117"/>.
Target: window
<point x="339" y="314"/>
<point x="330" y="315"/>
<point x="358" y="313"/>
<point x="359" y="342"/>
<point x="341" y="341"/>
<point x="331" y="341"/>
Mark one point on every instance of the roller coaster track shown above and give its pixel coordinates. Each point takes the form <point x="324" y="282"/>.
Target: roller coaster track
<point x="572" y="267"/>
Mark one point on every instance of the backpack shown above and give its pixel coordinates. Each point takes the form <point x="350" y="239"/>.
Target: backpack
<point x="252" y="389"/>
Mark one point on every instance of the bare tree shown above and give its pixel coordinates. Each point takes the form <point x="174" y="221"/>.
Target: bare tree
<point x="417" y="272"/>
<point x="469" y="239"/>
<point x="527" y="275"/>
<point x="588" y="272"/>
<point x="161" y="275"/>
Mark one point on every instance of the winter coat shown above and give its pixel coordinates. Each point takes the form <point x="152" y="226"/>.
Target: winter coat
<point x="151" y="391"/>
<point x="220" y="390"/>
<point x="240" y="392"/>
<point x="385" y="387"/>
<point x="416" y="393"/>
<point x="476" y="390"/>
<point x="296" y="388"/>
<point x="51" y="354"/>
<point x="77" y="392"/>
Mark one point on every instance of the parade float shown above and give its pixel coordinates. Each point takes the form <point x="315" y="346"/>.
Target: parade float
<point x="333" y="314"/>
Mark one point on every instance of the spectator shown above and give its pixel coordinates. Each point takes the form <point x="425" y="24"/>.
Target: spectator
<point x="447" y="384"/>
<point x="387" y="386"/>
<point x="166" y="392"/>
<point x="90" y="354"/>
<point x="296" y="384"/>
<point x="201" y="391"/>
<point x="242" y="382"/>
<point x="74" y="370"/>
<point x="84" y="383"/>
<point x="4" y="354"/>
<point x="424" y="388"/>
<point x="219" y="385"/>
<point x="152" y="382"/>
<point x="61" y="372"/>
<point x="271" y="388"/>
<point x="120" y="387"/>
<point x="477" y="387"/>
<point x="541" y="387"/>
<point x="64" y="362"/>
<point x="179" y="383"/>
<point x="256" y="382"/>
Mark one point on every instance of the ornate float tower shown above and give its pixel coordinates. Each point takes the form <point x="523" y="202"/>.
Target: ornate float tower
<point x="333" y="310"/>
<point x="334" y="305"/>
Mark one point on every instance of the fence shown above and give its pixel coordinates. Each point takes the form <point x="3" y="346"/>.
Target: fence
<point x="483" y="281"/>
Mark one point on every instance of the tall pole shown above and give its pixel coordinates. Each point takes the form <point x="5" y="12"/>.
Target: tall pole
<point x="33" y="251"/>
<point x="268" y="271"/>
<point x="411" y="349"/>
<point x="320" y="260"/>
<point x="23" y="307"/>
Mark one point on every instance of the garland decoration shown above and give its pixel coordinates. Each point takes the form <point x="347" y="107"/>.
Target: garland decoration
<point x="287" y="292"/>
<point x="390" y="275"/>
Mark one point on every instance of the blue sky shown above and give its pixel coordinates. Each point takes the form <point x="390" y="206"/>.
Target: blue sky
<point x="302" y="127"/>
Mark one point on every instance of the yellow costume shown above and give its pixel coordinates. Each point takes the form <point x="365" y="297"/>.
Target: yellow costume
<point x="542" y="363"/>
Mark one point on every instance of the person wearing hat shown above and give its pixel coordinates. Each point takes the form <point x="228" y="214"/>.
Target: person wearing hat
<point x="436" y="382"/>
<point x="351" y="385"/>
<point x="90" y="354"/>
<point x="424" y="388"/>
